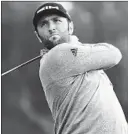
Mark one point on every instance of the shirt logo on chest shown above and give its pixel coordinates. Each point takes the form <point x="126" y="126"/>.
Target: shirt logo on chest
<point x="74" y="51"/>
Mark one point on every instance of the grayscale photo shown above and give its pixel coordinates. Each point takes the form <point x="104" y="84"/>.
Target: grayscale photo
<point x="64" y="67"/>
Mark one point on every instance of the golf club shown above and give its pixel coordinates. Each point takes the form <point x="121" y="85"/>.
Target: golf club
<point x="21" y="65"/>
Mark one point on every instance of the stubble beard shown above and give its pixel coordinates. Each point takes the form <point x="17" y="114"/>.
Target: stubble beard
<point x="49" y="44"/>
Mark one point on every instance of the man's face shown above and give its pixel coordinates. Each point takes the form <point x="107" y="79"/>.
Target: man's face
<point x="53" y="30"/>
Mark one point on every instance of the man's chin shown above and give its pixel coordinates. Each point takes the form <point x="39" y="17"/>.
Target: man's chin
<point x="54" y="38"/>
<point x="50" y="44"/>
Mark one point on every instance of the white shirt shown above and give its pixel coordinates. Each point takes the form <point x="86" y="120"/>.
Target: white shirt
<point x="79" y="93"/>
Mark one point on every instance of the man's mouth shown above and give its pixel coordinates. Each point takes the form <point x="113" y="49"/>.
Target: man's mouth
<point x="54" y="37"/>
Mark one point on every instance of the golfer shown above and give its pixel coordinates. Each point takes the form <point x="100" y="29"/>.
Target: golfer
<point x="79" y="93"/>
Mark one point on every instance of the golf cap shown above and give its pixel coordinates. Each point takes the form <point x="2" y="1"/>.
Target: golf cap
<point x="50" y="8"/>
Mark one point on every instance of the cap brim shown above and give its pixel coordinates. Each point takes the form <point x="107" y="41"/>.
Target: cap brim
<point x="49" y="12"/>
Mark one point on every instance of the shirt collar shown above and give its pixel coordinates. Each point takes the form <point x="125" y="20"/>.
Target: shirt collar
<point x="73" y="40"/>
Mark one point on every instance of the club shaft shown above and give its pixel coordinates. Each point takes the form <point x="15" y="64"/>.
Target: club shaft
<point x="21" y="65"/>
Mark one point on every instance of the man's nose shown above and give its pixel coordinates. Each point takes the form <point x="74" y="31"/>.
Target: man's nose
<point x="52" y="27"/>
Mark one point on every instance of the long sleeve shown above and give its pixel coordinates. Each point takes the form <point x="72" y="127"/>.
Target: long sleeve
<point x="68" y="60"/>
<point x="77" y="98"/>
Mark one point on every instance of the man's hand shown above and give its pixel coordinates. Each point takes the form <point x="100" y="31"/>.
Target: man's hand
<point x="43" y="51"/>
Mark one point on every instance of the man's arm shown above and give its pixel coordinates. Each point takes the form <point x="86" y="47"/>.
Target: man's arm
<point x="77" y="59"/>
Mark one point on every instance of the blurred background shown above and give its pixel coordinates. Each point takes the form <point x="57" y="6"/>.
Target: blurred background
<point x="24" y="108"/>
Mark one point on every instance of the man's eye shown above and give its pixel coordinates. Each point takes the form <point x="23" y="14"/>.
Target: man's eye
<point x="57" y="20"/>
<point x="42" y="24"/>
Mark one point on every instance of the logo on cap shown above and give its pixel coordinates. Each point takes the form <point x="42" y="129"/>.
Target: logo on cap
<point x="48" y="7"/>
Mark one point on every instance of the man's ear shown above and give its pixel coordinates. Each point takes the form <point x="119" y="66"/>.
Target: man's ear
<point x="71" y="28"/>
<point x="37" y="35"/>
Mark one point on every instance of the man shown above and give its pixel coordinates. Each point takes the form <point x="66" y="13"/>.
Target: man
<point x="79" y="93"/>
